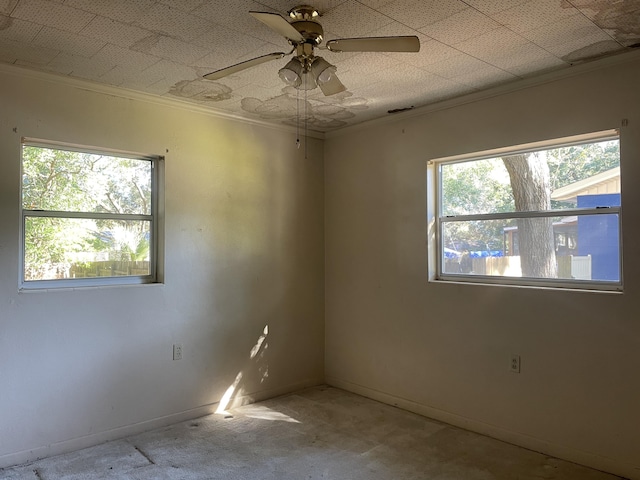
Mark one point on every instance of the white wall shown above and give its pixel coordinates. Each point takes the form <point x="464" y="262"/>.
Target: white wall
<point x="244" y="249"/>
<point x="443" y="349"/>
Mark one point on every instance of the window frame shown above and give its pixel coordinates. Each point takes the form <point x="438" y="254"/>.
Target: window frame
<point x="436" y="219"/>
<point x="153" y="218"/>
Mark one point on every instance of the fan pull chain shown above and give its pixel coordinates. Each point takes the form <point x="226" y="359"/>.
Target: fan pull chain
<point x="297" y="118"/>
<point x="306" y="119"/>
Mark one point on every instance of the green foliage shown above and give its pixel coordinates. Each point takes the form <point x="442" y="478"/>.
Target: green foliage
<point x="568" y="165"/>
<point x="471" y="188"/>
<point x="483" y="186"/>
<point x="66" y="181"/>
<point x="572" y="164"/>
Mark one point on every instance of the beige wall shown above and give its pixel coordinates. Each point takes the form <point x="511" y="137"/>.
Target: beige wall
<point x="444" y="349"/>
<point x="244" y="249"/>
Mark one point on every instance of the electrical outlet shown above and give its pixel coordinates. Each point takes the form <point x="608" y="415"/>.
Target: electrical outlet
<point x="177" y="351"/>
<point x="514" y="366"/>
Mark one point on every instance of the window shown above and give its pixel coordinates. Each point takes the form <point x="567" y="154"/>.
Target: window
<point x="88" y="216"/>
<point x="546" y="214"/>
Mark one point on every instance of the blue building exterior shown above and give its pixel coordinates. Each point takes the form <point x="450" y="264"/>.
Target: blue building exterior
<point x="598" y="236"/>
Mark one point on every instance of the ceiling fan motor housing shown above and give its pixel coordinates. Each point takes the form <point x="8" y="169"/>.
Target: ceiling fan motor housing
<point x="311" y="31"/>
<point x="304" y="17"/>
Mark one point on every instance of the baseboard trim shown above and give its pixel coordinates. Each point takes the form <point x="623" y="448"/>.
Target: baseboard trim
<point x="587" y="459"/>
<point x="78" y="443"/>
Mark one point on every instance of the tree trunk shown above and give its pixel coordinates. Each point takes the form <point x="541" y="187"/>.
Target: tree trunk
<point x="529" y="176"/>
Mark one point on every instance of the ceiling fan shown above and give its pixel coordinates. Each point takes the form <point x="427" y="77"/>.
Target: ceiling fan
<point x="306" y="71"/>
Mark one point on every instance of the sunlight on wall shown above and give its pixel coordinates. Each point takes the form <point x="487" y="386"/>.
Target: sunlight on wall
<point x="226" y="398"/>
<point x="256" y="347"/>
<point x="233" y="388"/>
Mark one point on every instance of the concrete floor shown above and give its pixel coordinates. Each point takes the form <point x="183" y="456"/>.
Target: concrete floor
<point x="319" y="433"/>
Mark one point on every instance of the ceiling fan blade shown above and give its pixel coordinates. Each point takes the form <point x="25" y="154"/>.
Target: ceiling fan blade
<point x="332" y="86"/>
<point x="279" y="24"/>
<point x="238" y="67"/>
<point x="375" y="44"/>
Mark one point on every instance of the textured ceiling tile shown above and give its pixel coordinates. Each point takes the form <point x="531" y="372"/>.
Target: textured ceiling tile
<point x="570" y="29"/>
<point x="196" y="91"/>
<point x="18" y="30"/>
<point x="460" y="26"/>
<point x="78" y="66"/>
<point x="586" y="47"/>
<point x="368" y="63"/>
<point x="58" y="16"/>
<point x="535" y="67"/>
<point x="373" y="92"/>
<point x="456" y="66"/>
<point x="235" y="15"/>
<point x="68" y="42"/>
<point x="395" y="82"/>
<point x="173" y="22"/>
<point x="7" y="6"/>
<point x="114" y="32"/>
<point x="440" y="88"/>
<point x="487" y="45"/>
<point x="262" y="92"/>
<point x="486" y="77"/>
<point x="12" y="51"/>
<point x="171" y="49"/>
<point x="126" y="11"/>
<point x="184" y="5"/>
<point x="518" y="56"/>
<point x="171" y="71"/>
<point x="162" y="70"/>
<point x="535" y="13"/>
<point x="128" y="77"/>
<point x="403" y="74"/>
<point x="396" y="28"/>
<point x="431" y="52"/>
<point x="115" y="55"/>
<point x="417" y="13"/>
<point x="352" y="20"/>
<point x="376" y="4"/>
<point x="229" y="43"/>
<point x="491" y="7"/>
<point x="352" y="79"/>
<point x="621" y="20"/>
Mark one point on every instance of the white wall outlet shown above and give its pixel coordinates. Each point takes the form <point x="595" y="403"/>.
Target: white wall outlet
<point x="514" y="366"/>
<point x="177" y="351"/>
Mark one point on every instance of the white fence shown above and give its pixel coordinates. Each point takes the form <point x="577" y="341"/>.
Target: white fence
<point x="569" y="266"/>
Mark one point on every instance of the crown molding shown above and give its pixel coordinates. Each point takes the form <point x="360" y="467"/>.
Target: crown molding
<point x="571" y="71"/>
<point x="26" y="72"/>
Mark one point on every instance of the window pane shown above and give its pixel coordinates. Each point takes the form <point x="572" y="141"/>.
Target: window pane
<point x="584" y="247"/>
<point x="475" y="187"/>
<point x="57" y="248"/>
<point x="84" y="182"/>
<point x="551" y="179"/>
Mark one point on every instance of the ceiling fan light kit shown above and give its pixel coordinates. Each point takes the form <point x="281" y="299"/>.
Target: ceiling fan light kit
<point x="306" y="71"/>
